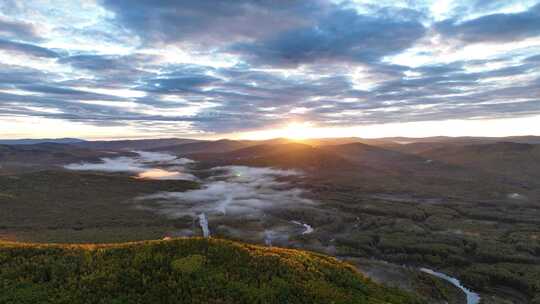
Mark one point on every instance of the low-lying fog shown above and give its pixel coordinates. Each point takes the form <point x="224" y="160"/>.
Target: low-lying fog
<point x="152" y="165"/>
<point x="234" y="201"/>
<point x="233" y="190"/>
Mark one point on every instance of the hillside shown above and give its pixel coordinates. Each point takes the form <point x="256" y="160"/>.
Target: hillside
<point x="191" y="270"/>
<point x="48" y="154"/>
<point x="517" y="160"/>
<point x="72" y="206"/>
<point x="32" y="141"/>
<point x="218" y="146"/>
<point x="374" y="156"/>
<point x="285" y="155"/>
<point x="136" y="144"/>
<point x="462" y="140"/>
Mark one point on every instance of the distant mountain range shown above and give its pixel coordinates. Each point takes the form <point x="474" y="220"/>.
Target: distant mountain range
<point x="459" y="157"/>
<point x="30" y="141"/>
<point x="236" y="144"/>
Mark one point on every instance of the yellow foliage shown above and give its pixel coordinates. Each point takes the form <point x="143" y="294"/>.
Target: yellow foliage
<point x="189" y="264"/>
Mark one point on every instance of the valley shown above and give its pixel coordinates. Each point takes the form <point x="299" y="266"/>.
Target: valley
<point x="388" y="208"/>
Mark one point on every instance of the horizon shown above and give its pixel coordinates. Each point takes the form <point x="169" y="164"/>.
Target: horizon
<point x="264" y="139"/>
<point x="526" y="126"/>
<point x="504" y="128"/>
<point x="301" y="69"/>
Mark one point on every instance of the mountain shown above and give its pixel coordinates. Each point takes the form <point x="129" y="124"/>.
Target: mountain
<point x="190" y="270"/>
<point x="352" y="160"/>
<point x="344" y="140"/>
<point x="374" y="156"/>
<point x="47" y="154"/>
<point x="518" y="160"/>
<point x="417" y="147"/>
<point x="463" y="140"/>
<point x="285" y="155"/>
<point x="136" y="144"/>
<point x="39" y="141"/>
<point x="217" y="146"/>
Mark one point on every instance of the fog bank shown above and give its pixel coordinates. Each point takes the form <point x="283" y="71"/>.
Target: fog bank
<point x="147" y="165"/>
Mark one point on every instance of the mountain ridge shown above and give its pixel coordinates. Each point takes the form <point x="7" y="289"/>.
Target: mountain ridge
<point x="186" y="270"/>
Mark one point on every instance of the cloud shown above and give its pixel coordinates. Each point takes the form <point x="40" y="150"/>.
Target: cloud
<point x="208" y="22"/>
<point x="342" y="35"/>
<point x="270" y="32"/>
<point x="12" y="29"/>
<point x="27" y="49"/>
<point x="494" y="27"/>
<point x="174" y="83"/>
<point x="218" y="67"/>
<point x="97" y="62"/>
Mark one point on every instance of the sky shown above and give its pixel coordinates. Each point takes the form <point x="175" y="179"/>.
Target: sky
<point x="103" y="69"/>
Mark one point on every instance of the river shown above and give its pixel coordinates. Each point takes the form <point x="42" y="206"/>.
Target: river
<point x="472" y="297"/>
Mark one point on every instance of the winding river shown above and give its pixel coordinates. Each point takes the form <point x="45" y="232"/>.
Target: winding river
<point x="472" y="297"/>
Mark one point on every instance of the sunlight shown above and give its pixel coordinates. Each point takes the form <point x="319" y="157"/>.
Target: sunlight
<point x="298" y="130"/>
<point x="458" y="127"/>
<point x="294" y="131"/>
<point x="156" y="174"/>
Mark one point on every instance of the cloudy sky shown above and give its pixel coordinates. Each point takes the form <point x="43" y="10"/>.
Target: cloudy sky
<point x="262" y="68"/>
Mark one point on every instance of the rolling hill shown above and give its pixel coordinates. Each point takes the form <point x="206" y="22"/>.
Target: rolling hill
<point x="136" y="144"/>
<point x="516" y="160"/>
<point x="47" y="154"/>
<point x="217" y="146"/>
<point x="182" y="271"/>
<point x="284" y="155"/>
<point x="31" y="141"/>
<point x="374" y="156"/>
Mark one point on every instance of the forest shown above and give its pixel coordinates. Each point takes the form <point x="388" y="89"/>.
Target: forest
<point x="185" y="270"/>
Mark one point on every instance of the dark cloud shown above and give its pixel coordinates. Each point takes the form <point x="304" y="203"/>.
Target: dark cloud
<point x="19" y="30"/>
<point x="180" y="78"/>
<point x="343" y="35"/>
<point x="187" y="83"/>
<point x="274" y="32"/>
<point x="209" y="22"/>
<point x="28" y="49"/>
<point x="12" y="75"/>
<point x="535" y="59"/>
<point x="110" y="71"/>
<point x="97" y="62"/>
<point x="494" y="27"/>
<point x="59" y="91"/>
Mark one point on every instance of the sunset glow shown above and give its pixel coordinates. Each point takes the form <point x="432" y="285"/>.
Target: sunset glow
<point x="258" y="70"/>
<point x="480" y="127"/>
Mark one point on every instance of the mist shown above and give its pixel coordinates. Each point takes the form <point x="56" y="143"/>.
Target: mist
<point x="251" y="197"/>
<point x="239" y="191"/>
<point x="229" y="195"/>
<point x="147" y="165"/>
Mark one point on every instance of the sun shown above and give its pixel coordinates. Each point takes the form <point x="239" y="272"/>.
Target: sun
<point x="299" y="130"/>
<point x="296" y="131"/>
